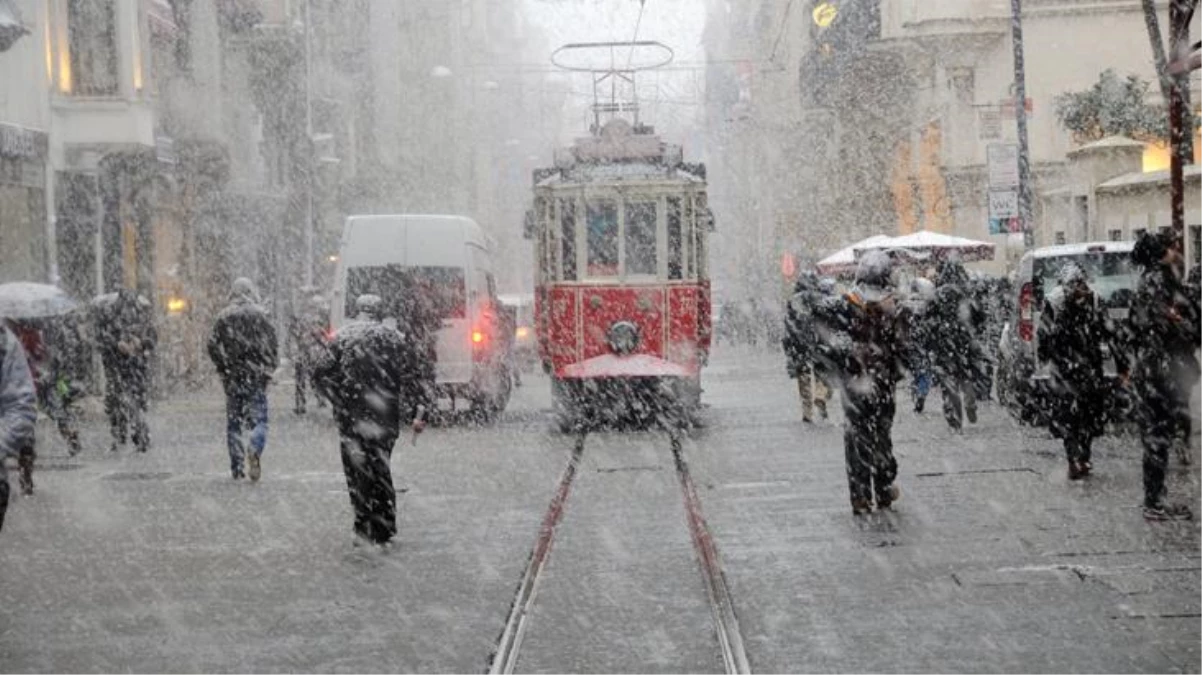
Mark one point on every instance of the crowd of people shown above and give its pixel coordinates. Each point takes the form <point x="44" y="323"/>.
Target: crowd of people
<point x="376" y="374"/>
<point x="864" y="339"/>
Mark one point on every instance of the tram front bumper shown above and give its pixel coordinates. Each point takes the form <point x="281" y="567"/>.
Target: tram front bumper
<point x="631" y="366"/>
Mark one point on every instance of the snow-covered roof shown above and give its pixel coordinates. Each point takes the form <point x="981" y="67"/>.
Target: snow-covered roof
<point x="1137" y="178"/>
<point x="1108" y="143"/>
<point x="1083" y="248"/>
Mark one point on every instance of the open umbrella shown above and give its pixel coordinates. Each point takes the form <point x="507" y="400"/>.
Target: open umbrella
<point x="925" y="245"/>
<point x="843" y="261"/>
<point x="27" y="300"/>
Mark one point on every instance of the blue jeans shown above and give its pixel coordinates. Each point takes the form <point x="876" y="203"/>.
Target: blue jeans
<point x="245" y="408"/>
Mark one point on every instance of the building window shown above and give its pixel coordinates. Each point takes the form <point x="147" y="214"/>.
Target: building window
<point x="1059" y="238"/>
<point x="1137" y="233"/>
<point x="92" y="36"/>
<point x="1195" y="244"/>
<point x="1116" y="235"/>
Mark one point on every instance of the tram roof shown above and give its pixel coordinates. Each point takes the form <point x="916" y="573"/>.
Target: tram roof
<point x="619" y="173"/>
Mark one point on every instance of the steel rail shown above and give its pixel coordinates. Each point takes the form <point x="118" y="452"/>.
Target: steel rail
<point x="505" y="658"/>
<point x="726" y="623"/>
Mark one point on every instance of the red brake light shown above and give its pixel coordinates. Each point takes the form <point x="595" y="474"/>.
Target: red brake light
<point x="477" y="337"/>
<point x="1026" y="314"/>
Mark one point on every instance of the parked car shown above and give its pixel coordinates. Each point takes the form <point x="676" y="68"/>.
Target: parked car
<point x="1022" y="381"/>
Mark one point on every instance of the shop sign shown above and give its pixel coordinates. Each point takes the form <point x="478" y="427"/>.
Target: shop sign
<point x="18" y="142"/>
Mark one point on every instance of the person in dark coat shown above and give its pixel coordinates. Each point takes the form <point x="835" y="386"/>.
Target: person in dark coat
<point x="308" y="334"/>
<point x="1165" y="365"/>
<point x="127" y="339"/>
<point x="371" y="375"/>
<point x="922" y="336"/>
<point x="801" y="342"/>
<point x="18" y="410"/>
<point x="1073" y="330"/>
<point x="863" y="339"/>
<point x="243" y="347"/>
<point x="955" y="316"/>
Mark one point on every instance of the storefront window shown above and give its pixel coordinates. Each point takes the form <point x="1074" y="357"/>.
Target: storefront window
<point x="640" y="238"/>
<point x="602" y="223"/>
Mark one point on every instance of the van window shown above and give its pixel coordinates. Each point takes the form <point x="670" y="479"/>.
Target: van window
<point x="640" y="238"/>
<point x="399" y="287"/>
<point x="1107" y="273"/>
<point x="602" y="223"/>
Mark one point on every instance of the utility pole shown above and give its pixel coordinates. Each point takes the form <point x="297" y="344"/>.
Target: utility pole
<point x="310" y="179"/>
<point x="1180" y="14"/>
<point x="1025" y="198"/>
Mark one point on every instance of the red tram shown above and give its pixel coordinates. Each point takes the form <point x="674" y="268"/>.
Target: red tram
<point x="622" y="293"/>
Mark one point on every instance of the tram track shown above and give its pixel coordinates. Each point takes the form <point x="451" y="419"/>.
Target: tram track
<point x="725" y="621"/>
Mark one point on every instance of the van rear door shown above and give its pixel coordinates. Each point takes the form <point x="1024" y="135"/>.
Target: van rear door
<point x="444" y="292"/>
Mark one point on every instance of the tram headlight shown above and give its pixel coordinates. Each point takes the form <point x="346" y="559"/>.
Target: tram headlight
<point x="623" y="337"/>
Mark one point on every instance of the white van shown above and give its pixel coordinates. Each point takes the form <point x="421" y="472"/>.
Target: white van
<point x="447" y="259"/>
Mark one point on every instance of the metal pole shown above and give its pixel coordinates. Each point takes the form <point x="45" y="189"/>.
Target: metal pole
<point x="1178" y="41"/>
<point x="310" y="182"/>
<point x="1025" y="198"/>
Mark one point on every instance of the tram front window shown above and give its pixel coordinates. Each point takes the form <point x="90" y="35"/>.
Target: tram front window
<point x="640" y="238"/>
<point x="602" y="223"/>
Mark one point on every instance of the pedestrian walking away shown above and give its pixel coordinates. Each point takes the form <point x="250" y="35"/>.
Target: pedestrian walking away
<point x="243" y="347"/>
<point x="308" y="335"/>
<point x="922" y="336"/>
<point x="1163" y="351"/>
<point x="1073" y="332"/>
<point x="956" y="319"/>
<point x="864" y="341"/>
<point x="800" y="344"/>
<point x="17" y="410"/>
<point x="127" y="338"/>
<point x="371" y="374"/>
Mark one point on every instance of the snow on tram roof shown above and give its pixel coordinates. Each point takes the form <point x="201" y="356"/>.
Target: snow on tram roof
<point x="636" y="171"/>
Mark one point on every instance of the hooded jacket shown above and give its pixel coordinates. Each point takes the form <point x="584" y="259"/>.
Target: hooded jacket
<point x="243" y="343"/>
<point x="371" y="373"/>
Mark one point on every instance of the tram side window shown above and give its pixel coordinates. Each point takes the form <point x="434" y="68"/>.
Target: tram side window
<point x="602" y="223"/>
<point x="567" y="239"/>
<point x="690" y="267"/>
<point x="640" y="238"/>
<point x="675" y="268"/>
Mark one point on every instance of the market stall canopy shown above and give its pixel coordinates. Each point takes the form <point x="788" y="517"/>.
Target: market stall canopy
<point x="843" y="261"/>
<point x="28" y="300"/>
<point x="925" y="245"/>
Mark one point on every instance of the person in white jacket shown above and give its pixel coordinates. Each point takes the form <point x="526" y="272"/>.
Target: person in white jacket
<point x="17" y="408"/>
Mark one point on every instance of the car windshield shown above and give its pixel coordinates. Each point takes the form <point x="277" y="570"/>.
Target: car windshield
<point x="1108" y="273"/>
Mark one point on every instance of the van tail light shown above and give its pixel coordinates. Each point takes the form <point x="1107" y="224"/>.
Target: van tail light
<point x="1026" y="313"/>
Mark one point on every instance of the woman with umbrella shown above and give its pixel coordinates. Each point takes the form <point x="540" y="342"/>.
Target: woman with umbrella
<point x="34" y="312"/>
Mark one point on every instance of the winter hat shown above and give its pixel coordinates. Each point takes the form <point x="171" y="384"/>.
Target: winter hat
<point x="370" y="305"/>
<point x="1071" y="273"/>
<point x="244" y="289"/>
<point x="873" y="275"/>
